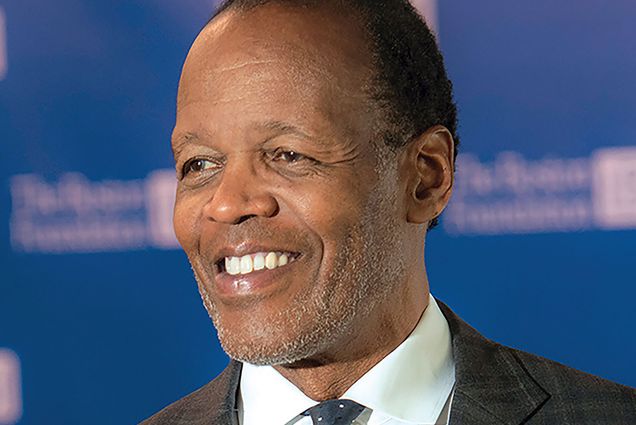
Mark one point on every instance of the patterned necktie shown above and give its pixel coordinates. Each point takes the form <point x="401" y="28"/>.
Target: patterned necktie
<point x="335" y="412"/>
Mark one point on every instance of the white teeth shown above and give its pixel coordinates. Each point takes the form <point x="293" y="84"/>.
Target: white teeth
<point x="234" y="266"/>
<point x="270" y="261"/>
<point x="246" y="264"/>
<point x="259" y="261"/>
<point x="255" y="262"/>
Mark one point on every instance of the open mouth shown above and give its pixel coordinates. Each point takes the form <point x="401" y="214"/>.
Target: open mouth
<point x="257" y="261"/>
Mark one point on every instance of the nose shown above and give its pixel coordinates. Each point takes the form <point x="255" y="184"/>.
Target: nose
<point x="240" y="195"/>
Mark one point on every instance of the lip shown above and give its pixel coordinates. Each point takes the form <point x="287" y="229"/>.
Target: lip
<point x="261" y="282"/>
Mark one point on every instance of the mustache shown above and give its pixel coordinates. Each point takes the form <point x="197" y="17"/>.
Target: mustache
<point x="257" y="232"/>
<point x="253" y="230"/>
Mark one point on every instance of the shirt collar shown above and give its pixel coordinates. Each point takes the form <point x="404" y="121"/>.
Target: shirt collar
<point x="414" y="381"/>
<point x="411" y="384"/>
<point x="265" y="393"/>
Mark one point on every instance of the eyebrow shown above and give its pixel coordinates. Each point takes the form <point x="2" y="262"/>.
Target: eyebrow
<point x="180" y="141"/>
<point x="280" y="127"/>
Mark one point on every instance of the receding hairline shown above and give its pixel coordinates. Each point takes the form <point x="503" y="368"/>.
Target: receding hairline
<point x="333" y="7"/>
<point x="246" y="6"/>
<point x="354" y="48"/>
<point x="348" y="69"/>
<point x="359" y="23"/>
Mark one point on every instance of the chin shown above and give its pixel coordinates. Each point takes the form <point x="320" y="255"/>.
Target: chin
<point x="284" y="338"/>
<point x="265" y="348"/>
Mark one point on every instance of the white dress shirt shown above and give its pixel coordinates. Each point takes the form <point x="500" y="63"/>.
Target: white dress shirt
<point x="412" y="385"/>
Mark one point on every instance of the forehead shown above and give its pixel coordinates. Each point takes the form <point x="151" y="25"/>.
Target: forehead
<point x="318" y="36"/>
<point x="280" y="53"/>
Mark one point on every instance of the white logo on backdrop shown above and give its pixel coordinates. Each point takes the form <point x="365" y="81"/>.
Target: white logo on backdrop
<point x="10" y="388"/>
<point x="516" y="195"/>
<point x="3" y="45"/>
<point x="74" y="214"/>
<point x="508" y="195"/>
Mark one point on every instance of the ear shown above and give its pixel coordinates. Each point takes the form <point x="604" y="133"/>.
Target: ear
<point x="428" y="164"/>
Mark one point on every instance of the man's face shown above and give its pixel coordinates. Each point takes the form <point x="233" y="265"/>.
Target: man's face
<point x="290" y="216"/>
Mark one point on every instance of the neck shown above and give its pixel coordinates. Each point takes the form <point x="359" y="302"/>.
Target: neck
<point x="328" y="375"/>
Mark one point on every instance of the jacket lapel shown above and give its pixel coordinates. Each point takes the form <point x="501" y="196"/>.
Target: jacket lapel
<point x="213" y="404"/>
<point x="492" y="385"/>
<point x="228" y="406"/>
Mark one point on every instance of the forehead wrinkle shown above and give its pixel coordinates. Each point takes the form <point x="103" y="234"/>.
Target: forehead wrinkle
<point x="293" y="60"/>
<point x="238" y="66"/>
<point x="300" y="79"/>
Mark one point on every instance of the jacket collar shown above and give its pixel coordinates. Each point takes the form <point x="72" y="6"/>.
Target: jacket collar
<point x="221" y="398"/>
<point x="492" y="385"/>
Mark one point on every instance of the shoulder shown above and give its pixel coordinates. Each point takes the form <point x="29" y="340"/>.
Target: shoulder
<point x="499" y="383"/>
<point x="569" y="387"/>
<point x="214" y="403"/>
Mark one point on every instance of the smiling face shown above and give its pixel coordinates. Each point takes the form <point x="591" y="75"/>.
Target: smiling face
<point x="292" y="218"/>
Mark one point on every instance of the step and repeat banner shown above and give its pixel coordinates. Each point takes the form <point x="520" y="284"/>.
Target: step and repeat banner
<point x="100" y="319"/>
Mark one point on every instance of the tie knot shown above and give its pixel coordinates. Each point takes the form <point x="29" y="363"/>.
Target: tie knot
<point x="335" y="412"/>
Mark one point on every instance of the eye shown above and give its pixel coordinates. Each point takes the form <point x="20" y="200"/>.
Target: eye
<point x="289" y="156"/>
<point x="198" y="165"/>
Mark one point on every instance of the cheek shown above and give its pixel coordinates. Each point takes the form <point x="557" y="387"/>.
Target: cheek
<point x="331" y="213"/>
<point x="186" y="220"/>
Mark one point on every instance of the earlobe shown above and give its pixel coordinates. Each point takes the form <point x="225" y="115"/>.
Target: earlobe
<point x="430" y="159"/>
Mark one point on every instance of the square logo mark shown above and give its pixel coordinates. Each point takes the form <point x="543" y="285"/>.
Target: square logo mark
<point x="614" y="188"/>
<point x="160" y="189"/>
<point x="3" y="45"/>
<point x="10" y="388"/>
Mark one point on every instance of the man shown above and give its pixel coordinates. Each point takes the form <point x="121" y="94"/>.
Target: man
<point x="314" y="146"/>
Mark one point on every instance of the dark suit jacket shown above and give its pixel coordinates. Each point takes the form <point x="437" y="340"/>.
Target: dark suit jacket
<point x="495" y="385"/>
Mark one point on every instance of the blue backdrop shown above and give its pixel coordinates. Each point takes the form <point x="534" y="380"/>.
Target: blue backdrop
<point x="100" y="319"/>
